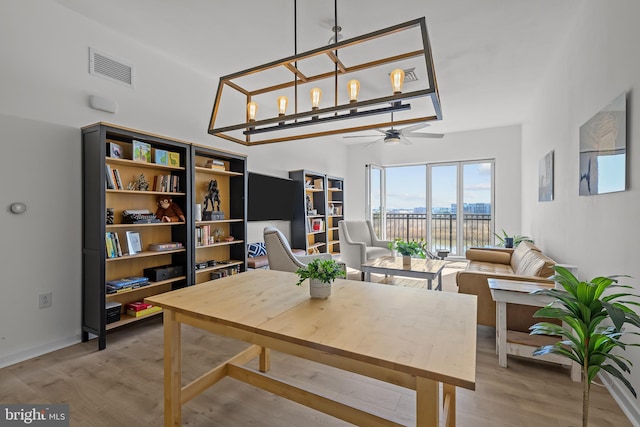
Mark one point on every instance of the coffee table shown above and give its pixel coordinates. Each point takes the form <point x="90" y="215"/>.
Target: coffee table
<point x="429" y="269"/>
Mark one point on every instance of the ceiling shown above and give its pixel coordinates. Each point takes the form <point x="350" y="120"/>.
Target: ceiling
<point x="489" y="55"/>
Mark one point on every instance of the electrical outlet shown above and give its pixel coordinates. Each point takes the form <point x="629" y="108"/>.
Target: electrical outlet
<point x="44" y="300"/>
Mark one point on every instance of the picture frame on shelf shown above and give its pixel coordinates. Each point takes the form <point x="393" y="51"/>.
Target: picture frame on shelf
<point x="134" y="244"/>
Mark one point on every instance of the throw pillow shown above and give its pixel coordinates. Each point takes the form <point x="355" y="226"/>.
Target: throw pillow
<point x="256" y="249"/>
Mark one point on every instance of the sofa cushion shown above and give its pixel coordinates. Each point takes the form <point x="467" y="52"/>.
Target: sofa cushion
<point x="489" y="267"/>
<point x="488" y="256"/>
<point x="535" y="264"/>
<point x="520" y="251"/>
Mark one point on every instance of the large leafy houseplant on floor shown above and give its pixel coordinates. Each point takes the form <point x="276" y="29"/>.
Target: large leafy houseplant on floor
<point x="587" y="341"/>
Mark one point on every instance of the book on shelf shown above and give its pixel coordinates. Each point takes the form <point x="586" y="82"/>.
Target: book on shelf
<point x="137" y="306"/>
<point x="317" y="225"/>
<point x="157" y="247"/>
<point x="114" y="150"/>
<point x="110" y="181"/>
<point x="215" y="164"/>
<point x="174" y="158"/>
<point x="118" y="180"/>
<point x="141" y="151"/>
<point x="161" y="157"/>
<point x="144" y="312"/>
<point x="109" y="245"/>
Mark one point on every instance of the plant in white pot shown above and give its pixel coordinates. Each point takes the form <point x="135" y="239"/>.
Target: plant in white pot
<point x="409" y="248"/>
<point x="321" y="274"/>
<point x="587" y="341"/>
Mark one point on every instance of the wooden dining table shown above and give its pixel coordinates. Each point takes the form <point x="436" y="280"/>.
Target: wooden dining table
<point x="405" y="336"/>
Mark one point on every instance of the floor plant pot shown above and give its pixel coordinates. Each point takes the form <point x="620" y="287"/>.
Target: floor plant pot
<point x="406" y="261"/>
<point x="319" y="289"/>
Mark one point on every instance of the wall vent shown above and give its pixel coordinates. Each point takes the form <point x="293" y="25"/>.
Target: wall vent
<point x="108" y="67"/>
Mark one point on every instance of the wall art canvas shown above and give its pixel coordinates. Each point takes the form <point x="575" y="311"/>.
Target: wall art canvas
<point x="545" y="178"/>
<point x="603" y="150"/>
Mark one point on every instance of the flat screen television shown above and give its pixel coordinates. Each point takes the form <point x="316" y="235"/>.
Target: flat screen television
<point x="270" y="198"/>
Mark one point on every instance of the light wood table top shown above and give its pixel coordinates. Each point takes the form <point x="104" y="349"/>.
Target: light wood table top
<point x="428" y="334"/>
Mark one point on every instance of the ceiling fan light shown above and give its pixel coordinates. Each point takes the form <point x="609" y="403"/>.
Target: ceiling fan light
<point x="397" y="80"/>
<point x="392" y="140"/>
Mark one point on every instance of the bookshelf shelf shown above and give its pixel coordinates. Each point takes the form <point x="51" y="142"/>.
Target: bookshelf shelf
<point x="322" y="194"/>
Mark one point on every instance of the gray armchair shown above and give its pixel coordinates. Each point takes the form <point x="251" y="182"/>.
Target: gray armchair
<point x="359" y="243"/>
<point x="280" y="255"/>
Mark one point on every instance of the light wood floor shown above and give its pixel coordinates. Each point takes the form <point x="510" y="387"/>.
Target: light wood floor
<point x="122" y="385"/>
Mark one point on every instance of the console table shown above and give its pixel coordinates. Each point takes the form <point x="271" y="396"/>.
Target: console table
<point x="520" y="343"/>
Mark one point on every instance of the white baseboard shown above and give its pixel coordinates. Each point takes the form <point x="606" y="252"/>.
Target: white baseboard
<point x="21" y="356"/>
<point x="621" y="395"/>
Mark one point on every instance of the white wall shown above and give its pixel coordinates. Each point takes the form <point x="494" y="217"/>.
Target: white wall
<point x="599" y="234"/>
<point x="501" y="144"/>
<point x="44" y="82"/>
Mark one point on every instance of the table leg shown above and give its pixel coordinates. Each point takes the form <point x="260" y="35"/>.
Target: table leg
<point x="449" y="397"/>
<point x="439" y="288"/>
<point x="427" y="403"/>
<point x="429" y="284"/>
<point x="172" y="370"/>
<point x="501" y="332"/>
<point x="265" y="359"/>
<point x="367" y="276"/>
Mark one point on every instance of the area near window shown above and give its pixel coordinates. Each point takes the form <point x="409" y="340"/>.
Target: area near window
<point x="450" y="205"/>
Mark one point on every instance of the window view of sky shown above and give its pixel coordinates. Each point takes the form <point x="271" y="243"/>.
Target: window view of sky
<point x="407" y="186"/>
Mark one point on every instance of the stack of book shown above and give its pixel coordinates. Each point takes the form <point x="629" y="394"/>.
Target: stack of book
<point x="158" y="247"/>
<point x="112" y="242"/>
<point x="166" y="183"/>
<point x="215" y="164"/>
<point x="139" y="309"/>
<point x="125" y="284"/>
<point x="224" y="272"/>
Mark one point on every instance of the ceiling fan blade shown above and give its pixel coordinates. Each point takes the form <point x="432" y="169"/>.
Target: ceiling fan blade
<point x="405" y="140"/>
<point x="414" y="127"/>
<point x="424" y="135"/>
<point x="373" y="142"/>
<point x="361" y="136"/>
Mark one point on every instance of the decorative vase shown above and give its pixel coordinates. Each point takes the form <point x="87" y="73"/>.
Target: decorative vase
<point x="406" y="260"/>
<point x="508" y="242"/>
<point x="319" y="289"/>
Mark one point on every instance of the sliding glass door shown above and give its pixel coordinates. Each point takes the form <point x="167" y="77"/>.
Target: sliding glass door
<point x="450" y="205"/>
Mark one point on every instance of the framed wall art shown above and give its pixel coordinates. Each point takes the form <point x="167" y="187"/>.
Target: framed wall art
<point x="545" y="178"/>
<point x="603" y="150"/>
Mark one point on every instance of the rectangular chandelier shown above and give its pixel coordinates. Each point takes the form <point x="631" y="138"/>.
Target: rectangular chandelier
<point x="348" y="86"/>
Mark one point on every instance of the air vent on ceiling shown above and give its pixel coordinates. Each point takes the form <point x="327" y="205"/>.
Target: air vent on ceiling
<point x="410" y="75"/>
<point x="110" y="68"/>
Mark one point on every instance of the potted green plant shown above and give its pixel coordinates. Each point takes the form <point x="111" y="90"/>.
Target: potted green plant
<point x="587" y="341"/>
<point x="409" y="248"/>
<point x="508" y="241"/>
<point x="321" y="274"/>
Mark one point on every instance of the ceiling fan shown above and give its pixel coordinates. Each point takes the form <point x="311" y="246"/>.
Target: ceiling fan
<point x="395" y="136"/>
